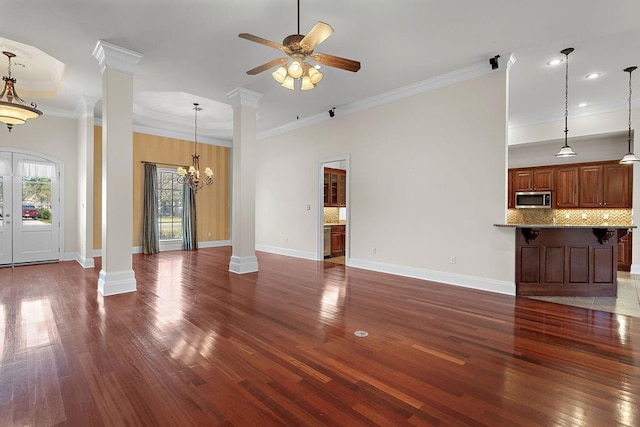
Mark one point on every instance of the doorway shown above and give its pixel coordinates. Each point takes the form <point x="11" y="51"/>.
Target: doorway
<point x="29" y="209"/>
<point x="333" y="212"/>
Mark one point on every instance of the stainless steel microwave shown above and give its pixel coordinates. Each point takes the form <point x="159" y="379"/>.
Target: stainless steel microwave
<point x="533" y="199"/>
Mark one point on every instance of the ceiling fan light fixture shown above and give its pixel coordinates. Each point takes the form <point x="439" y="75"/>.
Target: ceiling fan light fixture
<point x="295" y="69"/>
<point x="306" y="83"/>
<point x="280" y="74"/>
<point x="314" y="75"/>
<point x="289" y="83"/>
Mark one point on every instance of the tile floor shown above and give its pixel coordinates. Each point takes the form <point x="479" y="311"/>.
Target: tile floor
<point x="627" y="302"/>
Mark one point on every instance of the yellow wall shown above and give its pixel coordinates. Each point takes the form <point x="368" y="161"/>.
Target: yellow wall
<point x="212" y="201"/>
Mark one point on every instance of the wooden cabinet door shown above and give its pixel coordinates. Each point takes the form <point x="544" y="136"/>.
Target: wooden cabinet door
<point x="616" y="186"/>
<point x="566" y="192"/>
<point x="326" y="188"/>
<point x="624" y="253"/>
<point x="523" y="180"/>
<point x="337" y="240"/>
<point x="342" y="189"/>
<point x="590" y="187"/>
<point x="542" y="179"/>
<point x="511" y="204"/>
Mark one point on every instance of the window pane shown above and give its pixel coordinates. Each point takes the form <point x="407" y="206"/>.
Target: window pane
<point x="36" y="200"/>
<point x="169" y="206"/>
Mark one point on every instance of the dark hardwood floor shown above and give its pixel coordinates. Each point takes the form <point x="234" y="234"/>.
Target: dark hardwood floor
<point x="197" y="345"/>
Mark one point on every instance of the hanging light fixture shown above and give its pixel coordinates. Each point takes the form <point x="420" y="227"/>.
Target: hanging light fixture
<point x="629" y="157"/>
<point x="566" y="150"/>
<point x="191" y="177"/>
<point x="299" y="73"/>
<point x="13" y="110"/>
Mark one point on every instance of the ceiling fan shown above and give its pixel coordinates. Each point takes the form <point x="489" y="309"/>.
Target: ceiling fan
<point x="299" y="47"/>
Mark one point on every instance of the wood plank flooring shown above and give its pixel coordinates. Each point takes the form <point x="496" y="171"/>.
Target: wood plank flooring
<point x="197" y="345"/>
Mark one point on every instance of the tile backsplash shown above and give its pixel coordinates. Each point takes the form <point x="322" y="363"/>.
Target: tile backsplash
<point x="570" y="216"/>
<point x="332" y="216"/>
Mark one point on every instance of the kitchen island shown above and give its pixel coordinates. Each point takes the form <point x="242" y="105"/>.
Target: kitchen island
<point x="567" y="260"/>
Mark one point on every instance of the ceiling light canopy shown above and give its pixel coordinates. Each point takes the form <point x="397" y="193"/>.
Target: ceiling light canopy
<point x="566" y="150"/>
<point x="629" y="157"/>
<point x="13" y="110"/>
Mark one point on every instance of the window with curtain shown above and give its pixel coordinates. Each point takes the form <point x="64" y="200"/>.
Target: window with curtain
<point x="170" y="197"/>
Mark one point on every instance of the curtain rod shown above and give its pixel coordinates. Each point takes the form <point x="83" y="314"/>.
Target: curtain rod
<point x="159" y="163"/>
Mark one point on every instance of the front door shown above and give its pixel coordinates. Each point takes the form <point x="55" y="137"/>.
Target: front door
<point x="29" y="230"/>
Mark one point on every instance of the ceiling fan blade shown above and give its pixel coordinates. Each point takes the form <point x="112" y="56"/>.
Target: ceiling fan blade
<point x="316" y="35"/>
<point x="336" y="61"/>
<point x="266" y="66"/>
<point x="265" y="42"/>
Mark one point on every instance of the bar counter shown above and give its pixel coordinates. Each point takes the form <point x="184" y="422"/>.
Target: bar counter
<point x="567" y="260"/>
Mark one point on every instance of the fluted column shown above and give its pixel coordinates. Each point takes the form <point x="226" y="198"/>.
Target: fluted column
<point x="243" y="152"/>
<point x="117" y="65"/>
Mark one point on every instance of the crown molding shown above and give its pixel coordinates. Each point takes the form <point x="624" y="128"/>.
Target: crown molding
<point x="115" y="57"/>
<point x="242" y="97"/>
<point x="447" y="79"/>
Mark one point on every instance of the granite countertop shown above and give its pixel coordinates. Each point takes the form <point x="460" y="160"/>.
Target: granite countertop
<point x="615" y="226"/>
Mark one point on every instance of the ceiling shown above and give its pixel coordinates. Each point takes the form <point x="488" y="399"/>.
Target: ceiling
<point x="192" y="53"/>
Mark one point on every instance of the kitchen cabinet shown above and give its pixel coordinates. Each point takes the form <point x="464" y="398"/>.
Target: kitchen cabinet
<point x="338" y="237"/>
<point x="533" y="179"/>
<point x="566" y="192"/>
<point x="624" y="253"/>
<point x="511" y="202"/>
<point x="606" y="185"/>
<point x="335" y="187"/>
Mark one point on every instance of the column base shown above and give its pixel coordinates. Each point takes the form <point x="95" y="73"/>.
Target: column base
<point x="117" y="282"/>
<point x="241" y="265"/>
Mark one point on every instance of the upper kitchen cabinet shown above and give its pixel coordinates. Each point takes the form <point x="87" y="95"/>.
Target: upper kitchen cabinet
<point x="538" y="179"/>
<point x="335" y="187"/>
<point x="605" y="186"/>
<point x="566" y="194"/>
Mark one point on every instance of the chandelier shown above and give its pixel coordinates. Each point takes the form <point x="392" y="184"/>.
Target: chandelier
<point x="297" y="72"/>
<point x="191" y="176"/>
<point x="13" y="110"/>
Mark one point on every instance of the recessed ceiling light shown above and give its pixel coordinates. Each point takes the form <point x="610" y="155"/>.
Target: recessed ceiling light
<point x="592" y="76"/>
<point x="554" y="62"/>
<point x="582" y="104"/>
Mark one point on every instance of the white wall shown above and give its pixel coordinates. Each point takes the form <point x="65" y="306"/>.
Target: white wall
<point x="427" y="181"/>
<point x="55" y="137"/>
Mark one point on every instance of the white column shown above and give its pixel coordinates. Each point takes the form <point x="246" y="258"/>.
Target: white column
<point x="86" y="141"/>
<point x="243" y="195"/>
<point x="117" y="65"/>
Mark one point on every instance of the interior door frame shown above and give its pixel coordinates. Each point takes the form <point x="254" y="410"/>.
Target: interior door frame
<point x="61" y="193"/>
<point x="320" y="219"/>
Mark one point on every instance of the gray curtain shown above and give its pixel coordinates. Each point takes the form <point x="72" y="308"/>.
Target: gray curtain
<point x="150" y="239"/>
<point x="189" y="222"/>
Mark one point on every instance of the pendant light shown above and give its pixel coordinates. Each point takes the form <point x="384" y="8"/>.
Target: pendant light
<point x="629" y="157"/>
<point x="13" y="109"/>
<point x="191" y="176"/>
<point x="566" y="150"/>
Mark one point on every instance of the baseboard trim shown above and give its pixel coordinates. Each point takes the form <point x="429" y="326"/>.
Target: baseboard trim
<point x="84" y="262"/>
<point x="172" y="247"/>
<point x="480" y="283"/>
<point x="635" y="269"/>
<point x="287" y="252"/>
<point x="116" y="282"/>
<point x="242" y="265"/>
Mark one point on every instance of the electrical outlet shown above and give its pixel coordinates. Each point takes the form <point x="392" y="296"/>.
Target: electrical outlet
<point x="605" y="216"/>
<point x="567" y="215"/>
<point x="452" y="259"/>
<point x="584" y="215"/>
<point x="308" y="207"/>
<point x="373" y="250"/>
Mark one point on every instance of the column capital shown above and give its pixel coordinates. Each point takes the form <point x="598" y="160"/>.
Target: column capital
<point x="86" y="102"/>
<point x="115" y="57"/>
<point x="241" y="97"/>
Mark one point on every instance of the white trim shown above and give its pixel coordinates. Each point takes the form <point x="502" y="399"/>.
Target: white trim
<point x="75" y="256"/>
<point x="242" y="97"/>
<point x="437" y="82"/>
<point x="287" y="252"/>
<point x="242" y="265"/>
<point x="635" y="269"/>
<point x="214" y="243"/>
<point x="115" y="57"/>
<point x="116" y="282"/>
<point x="480" y="283"/>
<point x="171" y="247"/>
